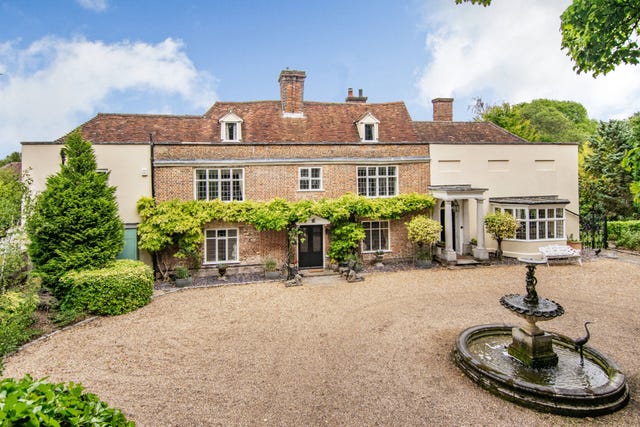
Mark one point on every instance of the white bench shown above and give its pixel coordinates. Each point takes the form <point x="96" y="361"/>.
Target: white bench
<point x="560" y="253"/>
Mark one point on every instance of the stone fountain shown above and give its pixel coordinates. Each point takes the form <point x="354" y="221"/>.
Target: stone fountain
<point x="537" y="369"/>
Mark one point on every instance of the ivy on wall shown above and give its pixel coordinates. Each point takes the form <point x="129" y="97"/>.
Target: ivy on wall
<point x="176" y="226"/>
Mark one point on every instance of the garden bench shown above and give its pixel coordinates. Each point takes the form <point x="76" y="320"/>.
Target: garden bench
<point x="560" y="253"/>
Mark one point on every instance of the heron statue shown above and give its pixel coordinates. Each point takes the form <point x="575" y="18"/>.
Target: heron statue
<point x="580" y="342"/>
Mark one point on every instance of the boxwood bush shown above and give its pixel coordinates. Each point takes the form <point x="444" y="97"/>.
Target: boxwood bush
<point x="117" y="289"/>
<point x="26" y="402"/>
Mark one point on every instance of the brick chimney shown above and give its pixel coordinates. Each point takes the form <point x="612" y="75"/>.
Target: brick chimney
<point x="442" y="109"/>
<point x="359" y="99"/>
<point x="292" y="92"/>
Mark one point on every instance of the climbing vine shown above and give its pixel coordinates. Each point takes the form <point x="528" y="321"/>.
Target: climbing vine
<point x="175" y="228"/>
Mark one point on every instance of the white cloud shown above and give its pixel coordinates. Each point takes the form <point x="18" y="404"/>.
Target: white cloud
<point x="510" y="51"/>
<point x="95" y="5"/>
<point x="54" y="85"/>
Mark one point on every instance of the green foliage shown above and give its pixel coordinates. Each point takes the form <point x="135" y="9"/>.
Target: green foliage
<point x="182" y="273"/>
<point x="424" y="232"/>
<point x="270" y="264"/>
<point x="11" y="158"/>
<point x="604" y="182"/>
<point x="345" y="239"/>
<point x="631" y="160"/>
<point x="117" y="289"/>
<point x="14" y="263"/>
<point x="599" y="35"/>
<point x="541" y="120"/>
<point x="28" y="402"/>
<point x="14" y="199"/>
<point x="174" y="228"/>
<point x="75" y="223"/>
<point x="625" y="233"/>
<point x="501" y="225"/>
<point x="16" y="318"/>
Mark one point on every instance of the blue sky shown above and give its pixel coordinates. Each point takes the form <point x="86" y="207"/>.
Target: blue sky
<point x="64" y="61"/>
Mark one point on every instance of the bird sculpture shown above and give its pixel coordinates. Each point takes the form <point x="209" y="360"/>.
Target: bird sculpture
<point x="580" y="342"/>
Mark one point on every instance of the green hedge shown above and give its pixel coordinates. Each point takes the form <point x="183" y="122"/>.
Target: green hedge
<point x="26" y="402"/>
<point x="118" y="289"/>
<point x="626" y="234"/>
<point x="16" y="318"/>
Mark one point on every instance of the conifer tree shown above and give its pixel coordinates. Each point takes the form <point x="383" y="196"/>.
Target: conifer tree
<point x="75" y="223"/>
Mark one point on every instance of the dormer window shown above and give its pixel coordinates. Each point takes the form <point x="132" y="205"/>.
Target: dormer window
<point x="231" y="128"/>
<point x="368" y="128"/>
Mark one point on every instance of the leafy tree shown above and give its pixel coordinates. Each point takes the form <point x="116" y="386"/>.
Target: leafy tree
<point x="541" y="120"/>
<point x="75" y="223"/>
<point x="11" y="158"/>
<point x="605" y="183"/>
<point x="501" y="225"/>
<point x="423" y="231"/>
<point x="598" y="35"/>
<point x="631" y="161"/>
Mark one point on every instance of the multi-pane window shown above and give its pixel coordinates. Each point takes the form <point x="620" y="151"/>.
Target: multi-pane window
<point x="231" y="132"/>
<point x="377" y="181"/>
<point x="221" y="245"/>
<point x="310" y="179"/>
<point x="376" y="236"/>
<point x="223" y="184"/>
<point x="368" y="132"/>
<point x="538" y="223"/>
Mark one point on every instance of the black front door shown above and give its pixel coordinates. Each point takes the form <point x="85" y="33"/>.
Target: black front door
<point x="310" y="247"/>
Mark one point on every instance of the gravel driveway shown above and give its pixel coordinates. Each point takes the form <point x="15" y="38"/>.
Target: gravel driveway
<point x="376" y="352"/>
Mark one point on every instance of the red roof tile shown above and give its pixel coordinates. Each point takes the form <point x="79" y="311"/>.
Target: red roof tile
<point x="464" y="133"/>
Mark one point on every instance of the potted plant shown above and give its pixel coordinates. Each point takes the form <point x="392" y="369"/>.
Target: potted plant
<point x="183" y="277"/>
<point x="501" y="225"/>
<point x="424" y="232"/>
<point x="378" y="257"/>
<point x="574" y="243"/>
<point x="271" y="269"/>
<point x="222" y="271"/>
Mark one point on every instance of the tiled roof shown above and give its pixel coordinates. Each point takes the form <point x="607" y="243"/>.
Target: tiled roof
<point x="464" y="133"/>
<point x="262" y="122"/>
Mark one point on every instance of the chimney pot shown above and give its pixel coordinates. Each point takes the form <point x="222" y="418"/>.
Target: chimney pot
<point x="360" y="93"/>
<point x="350" y="92"/>
<point x="356" y="99"/>
<point x="442" y="109"/>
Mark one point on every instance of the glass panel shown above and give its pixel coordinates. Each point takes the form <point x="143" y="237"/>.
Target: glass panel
<point x="382" y="171"/>
<point x="372" y="187"/>
<point x="521" y="214"/>
<point x="559" y="212"/>
<point x="533" y="213"/>
<point x="392" y="186"/>
<point x="382" y="186"/>
<point x="533" y="230"/>
<point x="542" y="213"/>
<point x="237" y="174"/>
<point x="551" y="231"/>
<point x="507" y="210"/>
<point x="222" y="250"/>
<point x="237" y="190"/>
<point x="213" y="173"/>
<point x="384" y="237"/>
<point x="392" y="170"/>
<point x="542" y="230"/>
<point x="201" y="174"/>
<point x="362" y="186"/>
<point x="362" y="172"/>
<point x="202" y="190"/>
<point x="560" y="228"/>
<point x="304" y="173"/>
<point x="210" y="255"/>
<point x="315" y="173"/>
<point x="315" y="184"/>
<point x="232" y="245"/>
<point x="304" y="184"/>
<point x="521" y="232"/>
<point x="551" y="213"/>
<point x="231" y="131"/>
<point x="371" y="171"/>
<point x="213" y="190"/>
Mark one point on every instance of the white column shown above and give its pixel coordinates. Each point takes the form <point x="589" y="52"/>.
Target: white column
<point x="449" y="254"/>
<point x="480" y="252"/>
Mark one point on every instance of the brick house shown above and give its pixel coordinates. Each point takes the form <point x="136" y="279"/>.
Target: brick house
<point x="296" y="149"/>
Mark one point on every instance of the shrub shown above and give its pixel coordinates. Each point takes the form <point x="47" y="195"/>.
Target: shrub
<point x="501" y="225"/>
<point x="14" y="262"/>
<point x="118" y="289"/>
<point x="616" y="229"/>
<point x="38" y="402"/>
<point x="75" y="223"/>
<point x="424" y="232"/>
<point x="16" y="318"/>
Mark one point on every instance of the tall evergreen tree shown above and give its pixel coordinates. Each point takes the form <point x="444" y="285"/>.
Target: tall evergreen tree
<point x="75" y="223"/>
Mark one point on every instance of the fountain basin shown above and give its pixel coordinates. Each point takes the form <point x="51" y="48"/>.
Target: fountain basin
<point x="596" y="387"/>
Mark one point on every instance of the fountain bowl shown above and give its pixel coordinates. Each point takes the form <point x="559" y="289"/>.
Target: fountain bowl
<point x="595" y="387"/>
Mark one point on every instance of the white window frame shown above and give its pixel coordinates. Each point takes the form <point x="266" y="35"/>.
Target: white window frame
<point x="369" y="230"/>
<point x="233" y="239"/>
<point x="208" y="182"/>
<point x="366" y="120"/>
<point x="533" y="223"/>
<point x="309" y="178"/>
<point x="377" y="177"/>
<point x="231" y="119"/>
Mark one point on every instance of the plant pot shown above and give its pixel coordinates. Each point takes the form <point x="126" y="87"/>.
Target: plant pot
<point x="181" y="283"/>
<point x="271" y="275"/>
<point x="575" y="245"/>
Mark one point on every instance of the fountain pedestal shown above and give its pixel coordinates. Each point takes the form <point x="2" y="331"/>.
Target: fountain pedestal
<point x="535" y="351"/>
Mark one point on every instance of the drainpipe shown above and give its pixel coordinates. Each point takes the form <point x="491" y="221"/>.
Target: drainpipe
<point x="151" y="155"/>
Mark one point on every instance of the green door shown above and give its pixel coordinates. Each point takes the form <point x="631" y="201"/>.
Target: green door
<point x="130" y="249"/>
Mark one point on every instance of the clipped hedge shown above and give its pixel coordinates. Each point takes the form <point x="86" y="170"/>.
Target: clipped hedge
<point x="28" y="402"/>
<point x="16" y="318"/>
<point x="616" y="229"/>
<point x="117" y="289"/>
